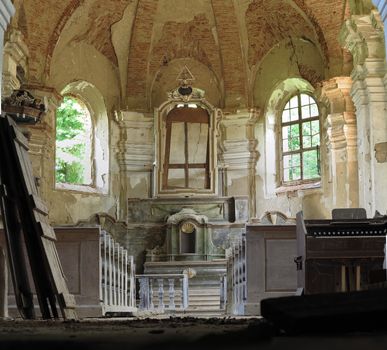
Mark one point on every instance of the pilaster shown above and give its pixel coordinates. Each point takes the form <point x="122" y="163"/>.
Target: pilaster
<point x="238" y="155"/>
<point x="42" y="140"/>
<point x="7" y="10"/>
<point x="341" y="141"/>
<point x="363" y="36"/>
<point x="15" y="54"/>
<point x="135" y="156"/>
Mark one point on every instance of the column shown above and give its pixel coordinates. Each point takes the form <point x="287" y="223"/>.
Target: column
<point x="238" y="155"/>
<point x="363" y="36"/>
<point x="341" y="142"/>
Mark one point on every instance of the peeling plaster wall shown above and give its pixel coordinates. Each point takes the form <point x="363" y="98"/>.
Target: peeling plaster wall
<point x="78" y="61"/>
<point x="132" y="52"/>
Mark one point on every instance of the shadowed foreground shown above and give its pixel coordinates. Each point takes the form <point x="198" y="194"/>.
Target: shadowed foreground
<point x="172" y="333"/>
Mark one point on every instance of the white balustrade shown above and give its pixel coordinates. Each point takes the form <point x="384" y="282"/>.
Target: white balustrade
<point x="163" y="292"/>
<point x="237" y="286"/>
<point x="117" y="274"/>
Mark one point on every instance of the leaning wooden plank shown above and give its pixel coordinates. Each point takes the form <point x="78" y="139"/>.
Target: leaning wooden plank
<point x="45" y="264"/>
<point x="28" y="180"/>
<point x="39" y="205"/>
<point x="13" y="235"/>
<point x="23" y="220"/>
<point x="47" y="231"/>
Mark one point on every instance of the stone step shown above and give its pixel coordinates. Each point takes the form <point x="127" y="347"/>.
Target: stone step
<point x="204" y="298"/>
<point x="204" y="291"/>
<point x="203" y="302"/>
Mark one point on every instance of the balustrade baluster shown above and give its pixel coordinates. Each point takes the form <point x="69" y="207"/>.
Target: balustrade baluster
<point x="151" y="294"/>
<point x="110" y="266"/>
<point x="161" y="293"/>
<point x="172" y="305"/>
<point x="126" y="269"/>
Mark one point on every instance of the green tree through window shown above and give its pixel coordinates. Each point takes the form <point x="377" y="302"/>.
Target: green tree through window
<point x="300" y="139"/>
<point x="73" y="139"/>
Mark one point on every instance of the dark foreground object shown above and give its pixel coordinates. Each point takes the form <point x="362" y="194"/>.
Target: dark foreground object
<point x="336" y="312"/>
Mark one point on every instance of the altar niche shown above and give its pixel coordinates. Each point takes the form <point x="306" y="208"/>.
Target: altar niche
<point x="187" y="238"/>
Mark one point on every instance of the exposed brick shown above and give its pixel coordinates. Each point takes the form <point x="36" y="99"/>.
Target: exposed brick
<point x="192" y="39"/>
<point x="234" y="68"/>
<point x="42" y="17"/>
<point x="140" y="48"/>
<point x="268" y="23"/>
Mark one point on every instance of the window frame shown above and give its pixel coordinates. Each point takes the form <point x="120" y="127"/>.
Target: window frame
<point x="300" y="121"/>
<point x="185" y="115"/>
<point x="160" y="115"/>
<point x="80" y="187"/>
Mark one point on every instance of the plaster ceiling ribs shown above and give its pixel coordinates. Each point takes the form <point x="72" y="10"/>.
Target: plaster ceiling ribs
<point x="139" y="51"/>
<point x="68" y="12"/>
<point x="40" y="29"/>
<point x="328" y="17"/>
<point x="101" y="16"/>
<point x="234" y="68"/>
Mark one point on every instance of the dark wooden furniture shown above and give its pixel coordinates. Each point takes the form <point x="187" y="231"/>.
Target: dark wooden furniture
<point x="338" y="255"/>
<point x="26" y="227"/>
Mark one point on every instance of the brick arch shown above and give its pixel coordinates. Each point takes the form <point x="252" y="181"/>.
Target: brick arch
<point x="320" y="34"/>
<point x="68" y="12"/>
<point x="286" y="20"/>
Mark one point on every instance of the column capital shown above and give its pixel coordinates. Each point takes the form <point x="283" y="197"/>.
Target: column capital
<point x="243" y="117"/>
<point x="47" y="94"/>
<point x="16" y="47"/>
<point x="363" y="36"/>
<point x="335" y="131"/>
<point x="335" y="94"/>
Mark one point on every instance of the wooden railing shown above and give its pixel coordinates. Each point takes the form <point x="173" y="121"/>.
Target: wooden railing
<point x="117" y="272"/>
<point x="237" y="288"/>
<point x="163" y="292"/>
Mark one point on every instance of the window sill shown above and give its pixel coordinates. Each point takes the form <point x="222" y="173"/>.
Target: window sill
<point x="82" y="189"/>
<point x="298" y="187"/>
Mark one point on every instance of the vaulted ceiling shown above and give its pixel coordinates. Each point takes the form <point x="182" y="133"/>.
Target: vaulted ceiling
<point x="142" y="38"/>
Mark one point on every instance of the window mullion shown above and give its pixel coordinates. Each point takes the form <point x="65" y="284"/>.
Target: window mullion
<point x="167" y="153"/>
<point x="301" y="138"/>
<point x="186" y="171"/>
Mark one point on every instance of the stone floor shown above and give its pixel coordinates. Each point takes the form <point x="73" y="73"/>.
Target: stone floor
<point x="172" y="333"/>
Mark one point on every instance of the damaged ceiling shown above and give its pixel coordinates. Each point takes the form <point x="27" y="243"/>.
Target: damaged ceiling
<point x="142" y="40"/>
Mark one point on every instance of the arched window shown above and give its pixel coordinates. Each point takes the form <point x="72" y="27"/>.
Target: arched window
<point x="73" y="157"/>
<point x="300" y="135"/>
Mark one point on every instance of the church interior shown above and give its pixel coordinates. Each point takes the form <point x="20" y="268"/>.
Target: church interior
<point x="195" y="157"/>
